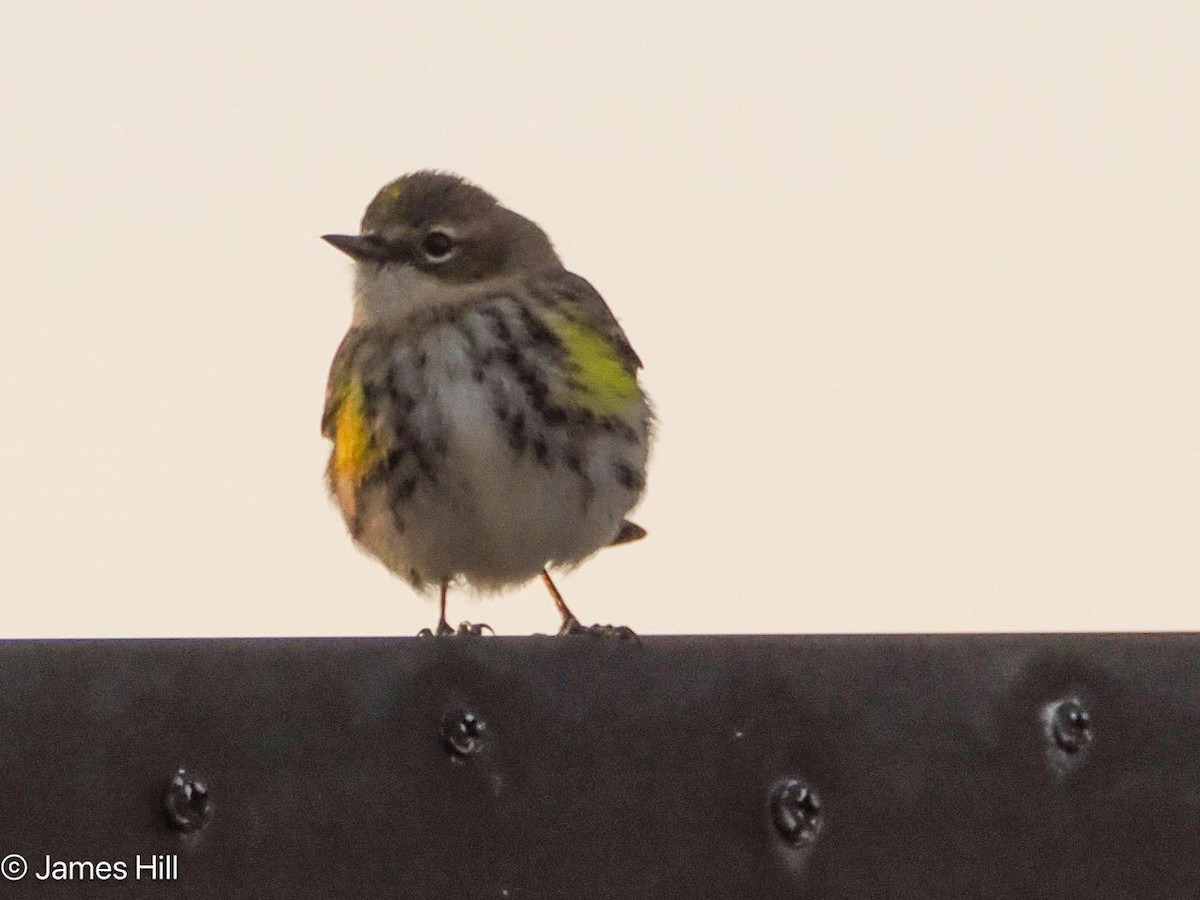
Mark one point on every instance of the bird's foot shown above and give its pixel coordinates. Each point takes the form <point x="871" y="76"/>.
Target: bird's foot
<point x="444" y="629"/>
<point x="572" y="625"/>
<point x="473" y="629"/>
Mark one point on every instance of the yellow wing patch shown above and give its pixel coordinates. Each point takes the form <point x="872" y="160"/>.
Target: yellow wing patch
<point x="604" y="383"/>
<point x="354" y="452"/>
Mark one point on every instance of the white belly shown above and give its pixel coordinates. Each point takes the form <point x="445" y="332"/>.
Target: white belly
<point x="495" y="517"/>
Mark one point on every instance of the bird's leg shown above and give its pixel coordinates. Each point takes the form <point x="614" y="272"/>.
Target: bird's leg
<point x="571" y="625"/>
<point x="443" y="627"/>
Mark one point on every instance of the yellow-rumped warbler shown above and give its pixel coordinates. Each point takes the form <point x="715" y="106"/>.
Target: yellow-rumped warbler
<point x="484" y="407"/>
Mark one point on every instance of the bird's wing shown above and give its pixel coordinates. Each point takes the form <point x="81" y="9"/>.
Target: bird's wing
<point x="339" y="380"/>
<point x="600" y="317"/>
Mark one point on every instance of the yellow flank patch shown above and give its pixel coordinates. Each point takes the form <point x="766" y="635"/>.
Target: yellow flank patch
<point x="604" y="383"/>
<point x="353" y="446"/>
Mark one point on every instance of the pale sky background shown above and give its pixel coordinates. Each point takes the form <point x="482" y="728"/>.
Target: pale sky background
<point x="915" y="285"/>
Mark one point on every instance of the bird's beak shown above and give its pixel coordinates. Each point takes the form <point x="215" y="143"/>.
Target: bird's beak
<point x="366" y="247"/>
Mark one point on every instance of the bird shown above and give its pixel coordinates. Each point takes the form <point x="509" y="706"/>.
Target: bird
<point x="486" y="411"/>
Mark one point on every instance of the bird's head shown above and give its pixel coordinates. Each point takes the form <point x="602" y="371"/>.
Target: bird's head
<point x="429" y="231"/>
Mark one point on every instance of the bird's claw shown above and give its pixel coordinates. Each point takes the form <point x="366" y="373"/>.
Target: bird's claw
<point x="572" y="625"/>
<point x="473" y="629"/>
<point x="444" y="629"/>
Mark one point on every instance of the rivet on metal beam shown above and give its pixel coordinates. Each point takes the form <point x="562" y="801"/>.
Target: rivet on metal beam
<point x="1069" y="725"/>
<point x="463" y="732"/>
<point x="796" y="812"/>
<point x="187" y="803"/>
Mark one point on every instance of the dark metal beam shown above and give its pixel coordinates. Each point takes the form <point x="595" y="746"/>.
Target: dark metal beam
<point x="1003" y="766"/>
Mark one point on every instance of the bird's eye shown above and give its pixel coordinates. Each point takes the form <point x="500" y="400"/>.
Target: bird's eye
<point x="437" y="246"/>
